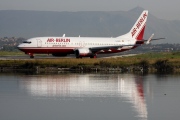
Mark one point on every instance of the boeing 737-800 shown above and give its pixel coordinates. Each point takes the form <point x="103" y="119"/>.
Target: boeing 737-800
<point x="88" y="46"/>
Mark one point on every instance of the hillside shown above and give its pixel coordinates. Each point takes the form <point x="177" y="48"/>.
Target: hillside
<point x="29" y="24"/>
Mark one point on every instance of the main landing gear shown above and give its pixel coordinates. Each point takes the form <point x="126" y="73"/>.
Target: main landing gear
<point x="93" y="56"/>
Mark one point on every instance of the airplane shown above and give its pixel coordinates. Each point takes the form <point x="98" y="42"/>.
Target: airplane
<point x="88" y="46"/>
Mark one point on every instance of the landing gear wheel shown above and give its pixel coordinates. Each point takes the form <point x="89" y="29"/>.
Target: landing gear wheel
<point x="93" y="56"/>
<point x="31" y="55"/>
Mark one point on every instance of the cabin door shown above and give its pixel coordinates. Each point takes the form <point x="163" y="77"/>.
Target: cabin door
<point x="82" y="44"/>
<point x="39" y="43"/>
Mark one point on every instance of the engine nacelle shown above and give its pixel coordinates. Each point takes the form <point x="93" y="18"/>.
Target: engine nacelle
<point x="83" y="52"/>
<point x="59" y="54"/>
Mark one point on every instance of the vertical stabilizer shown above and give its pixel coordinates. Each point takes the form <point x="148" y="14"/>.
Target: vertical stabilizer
<point x="137" y="31"/>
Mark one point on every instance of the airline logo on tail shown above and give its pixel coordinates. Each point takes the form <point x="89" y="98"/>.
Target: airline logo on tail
<point x="138" y="29"/>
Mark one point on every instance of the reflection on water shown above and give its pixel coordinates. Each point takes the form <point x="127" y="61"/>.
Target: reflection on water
<point x="124" y="86"/>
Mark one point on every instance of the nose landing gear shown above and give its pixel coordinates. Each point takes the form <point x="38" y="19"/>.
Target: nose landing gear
<point x="31" y="55"/>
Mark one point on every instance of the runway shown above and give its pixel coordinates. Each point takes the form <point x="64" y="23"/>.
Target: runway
<point x="26" y="57"/>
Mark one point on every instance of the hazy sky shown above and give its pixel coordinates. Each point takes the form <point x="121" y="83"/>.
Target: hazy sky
<point x="165" y="9"/>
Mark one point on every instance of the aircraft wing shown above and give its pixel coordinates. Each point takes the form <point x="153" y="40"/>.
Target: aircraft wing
<point x="108" y="48"/>
<point x="150" y="39"/>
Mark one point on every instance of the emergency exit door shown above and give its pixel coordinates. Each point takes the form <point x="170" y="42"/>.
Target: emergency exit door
<point x="39" y="43"/>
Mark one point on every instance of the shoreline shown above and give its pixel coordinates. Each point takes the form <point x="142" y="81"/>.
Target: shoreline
<point x="139" y="66"/>
<point x="149" y="62"/>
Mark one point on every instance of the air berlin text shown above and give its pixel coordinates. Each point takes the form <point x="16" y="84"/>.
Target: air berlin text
<point x="139" y="24"/>
<point x="58" y="40"/>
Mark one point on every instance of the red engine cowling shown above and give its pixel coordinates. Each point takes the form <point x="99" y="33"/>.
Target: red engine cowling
<point x="83" y="52"/>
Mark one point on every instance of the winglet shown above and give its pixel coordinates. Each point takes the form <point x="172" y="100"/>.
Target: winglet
<point x="149" y="40"/>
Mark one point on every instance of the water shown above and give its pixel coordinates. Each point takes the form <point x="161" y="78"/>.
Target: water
<point x="89" y="97"/>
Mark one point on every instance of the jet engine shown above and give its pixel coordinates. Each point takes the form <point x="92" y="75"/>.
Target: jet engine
<point x="83" y="52"/>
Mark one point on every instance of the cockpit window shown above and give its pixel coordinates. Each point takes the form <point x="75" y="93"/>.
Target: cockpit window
<point x="29" y="42"/>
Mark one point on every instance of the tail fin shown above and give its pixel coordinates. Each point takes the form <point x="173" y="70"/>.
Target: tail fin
<point x="137" y="31"/>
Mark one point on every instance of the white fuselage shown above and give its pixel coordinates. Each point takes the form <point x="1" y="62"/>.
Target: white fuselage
<point x="87" y="46"/>
<point x="67" y="45"/>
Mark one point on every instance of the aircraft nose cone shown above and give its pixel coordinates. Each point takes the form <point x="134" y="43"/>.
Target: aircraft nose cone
<point x="20" y="46"/>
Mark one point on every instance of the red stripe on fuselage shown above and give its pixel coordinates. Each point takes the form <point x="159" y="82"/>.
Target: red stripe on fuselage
<point x="48" y="50"/>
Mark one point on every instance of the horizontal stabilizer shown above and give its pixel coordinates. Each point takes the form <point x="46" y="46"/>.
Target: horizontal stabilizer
<point x="158" y="38"/>
<point x="150" y="39"/>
